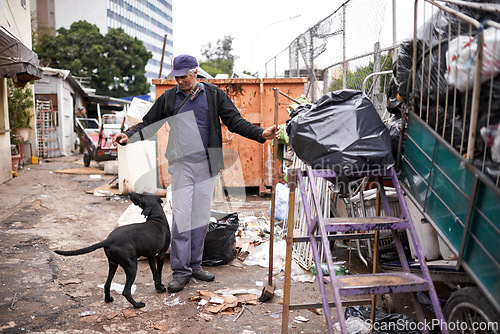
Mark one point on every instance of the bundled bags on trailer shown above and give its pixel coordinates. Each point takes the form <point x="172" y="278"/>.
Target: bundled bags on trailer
<point x="446" y="58"/>
<point x="342" y="132"/>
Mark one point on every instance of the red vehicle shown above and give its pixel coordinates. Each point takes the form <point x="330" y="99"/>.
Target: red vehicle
<point x="98" y="137"/>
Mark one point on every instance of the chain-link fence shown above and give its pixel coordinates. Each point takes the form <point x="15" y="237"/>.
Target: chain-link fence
<point x="340" y="51"/>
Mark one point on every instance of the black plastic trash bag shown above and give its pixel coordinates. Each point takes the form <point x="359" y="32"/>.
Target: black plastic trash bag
<point x="385" y="323"/>
<point x="220" y="239"/>
<point x="395" y="125"/>
<point x="342" y="132"/>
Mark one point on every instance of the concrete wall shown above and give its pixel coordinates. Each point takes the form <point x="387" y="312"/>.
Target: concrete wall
<point x="16" y="20"/>
<point x="55" y="85"/>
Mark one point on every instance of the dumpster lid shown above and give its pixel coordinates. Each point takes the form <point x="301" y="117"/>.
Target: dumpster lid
<point x="17" y="61"/>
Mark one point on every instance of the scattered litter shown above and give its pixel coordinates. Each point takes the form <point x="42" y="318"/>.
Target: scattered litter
<point x="281" y="207"/>
<point x="216" y="300"/>
<point x="246" y="331"/>
<point x="259" y="283"/>
<point x="95" y="176"/>
<point x="14" y="300"/>
<point x="214" y="308"/>
<point x="129" y="314"/>
<point x="86" y="313"/>
<point x="274" y="314"/>
<point x="259" y="256"/>
<point x="354" y="325"/>
<point x="304" y="278"/>
<point x="110" y="315"/>
<point x="163" y="326"/>
<point x="102" y="193"/>
<point x="118" y="287"/>
<point x="301" y="275"/>
<point x="223" y="304"/>
<point x="299" y="319"/>
<point x="89" y="319"/>
<point x="173" y="302"/>
<point x="245" y="296"/>
<point x="249" y="299"/>
<point x="317" y="311"/>
<point x="338" y="267"/>
<point x="244" y="247"/>
<point x="206" y="317"/>
<point x="10" y="324"/>
<point x="390" y="320"/>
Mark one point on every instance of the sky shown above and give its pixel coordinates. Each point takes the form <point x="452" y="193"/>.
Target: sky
<point x="261" y="28"/>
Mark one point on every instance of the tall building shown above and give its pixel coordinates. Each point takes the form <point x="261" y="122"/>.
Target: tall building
<point x="148" y="20"/>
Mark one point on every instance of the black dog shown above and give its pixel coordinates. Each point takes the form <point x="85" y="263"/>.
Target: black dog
<point x="126" y="243"/>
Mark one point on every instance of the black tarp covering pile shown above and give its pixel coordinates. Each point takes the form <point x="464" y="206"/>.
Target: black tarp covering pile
<point x="342" y="132"/>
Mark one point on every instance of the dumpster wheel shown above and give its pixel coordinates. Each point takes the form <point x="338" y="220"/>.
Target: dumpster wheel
<point x="86" y="159"/>
<point x="467" y="307"/>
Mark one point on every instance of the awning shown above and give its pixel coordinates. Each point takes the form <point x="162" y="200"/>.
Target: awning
<point x="17" y="61"/>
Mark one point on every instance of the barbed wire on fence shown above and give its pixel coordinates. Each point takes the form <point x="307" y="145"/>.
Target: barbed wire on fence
<point x="338" y="51"/>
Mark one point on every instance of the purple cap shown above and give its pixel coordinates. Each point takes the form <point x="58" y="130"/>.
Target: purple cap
<point x="182" y="64"/>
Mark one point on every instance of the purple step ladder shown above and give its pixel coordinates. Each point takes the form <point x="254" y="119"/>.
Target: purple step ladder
<point x="368" y="284"/>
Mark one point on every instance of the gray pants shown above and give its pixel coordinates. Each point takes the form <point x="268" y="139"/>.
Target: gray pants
<point x="192" y="193"/>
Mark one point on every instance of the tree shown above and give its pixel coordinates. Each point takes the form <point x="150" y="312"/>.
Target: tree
<point x="115" y="63"/>
<point x="354" y="79"/>
<point x="218" y="58"/>
<point x="20" y="101"/>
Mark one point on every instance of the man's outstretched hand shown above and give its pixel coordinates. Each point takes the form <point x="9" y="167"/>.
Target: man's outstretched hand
<point x="120" y="138"/>
<point x="271" y="132"/>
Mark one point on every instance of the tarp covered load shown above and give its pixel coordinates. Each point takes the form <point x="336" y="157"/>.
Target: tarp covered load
<point x="442" y="94"/>
<point x="342" y="132"/>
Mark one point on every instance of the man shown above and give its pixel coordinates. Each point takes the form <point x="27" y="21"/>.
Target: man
<point x="81" y="113"/>
<point x="194" y="152"/>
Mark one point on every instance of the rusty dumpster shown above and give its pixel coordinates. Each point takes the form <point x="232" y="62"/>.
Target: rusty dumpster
<point x="248" y="163"/>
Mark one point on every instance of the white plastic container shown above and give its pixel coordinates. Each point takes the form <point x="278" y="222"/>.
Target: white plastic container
<point x="137" y="167"/>
<point x="426" y="234"/>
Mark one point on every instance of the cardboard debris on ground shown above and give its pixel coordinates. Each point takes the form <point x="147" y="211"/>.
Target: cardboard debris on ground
<point x="218" y="304"/>
<point x="89" y="319"/>
<point x="129" y="313"/>
<point x="84" y="170"/>
<point x="105" y="190"/>
<point x="318" y="311"/>
<point x="244" y="247"/>
<point x="109" y="315"/>
<point x="163" y="326"/>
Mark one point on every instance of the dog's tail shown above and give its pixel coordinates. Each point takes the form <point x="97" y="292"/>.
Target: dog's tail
<point x="81" y="251"/>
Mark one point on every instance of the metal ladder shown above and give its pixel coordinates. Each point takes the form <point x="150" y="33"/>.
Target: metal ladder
<point x="351" y="285"/>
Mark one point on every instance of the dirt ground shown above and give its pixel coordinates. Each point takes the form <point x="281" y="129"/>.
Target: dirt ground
<point x="42" y="292"/>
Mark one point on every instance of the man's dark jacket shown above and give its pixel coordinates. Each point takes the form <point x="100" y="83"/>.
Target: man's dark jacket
<point x="220" y="107"/>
